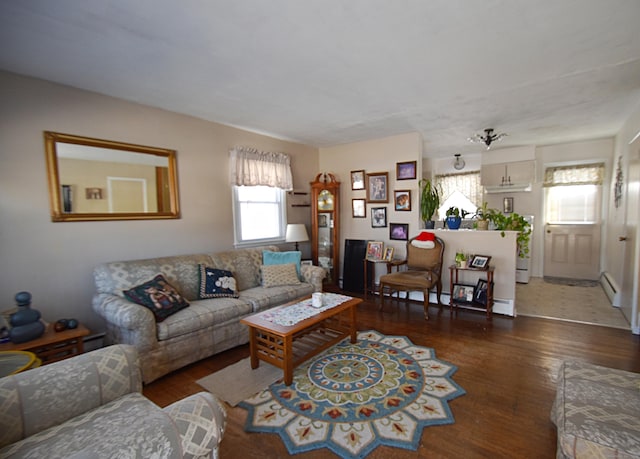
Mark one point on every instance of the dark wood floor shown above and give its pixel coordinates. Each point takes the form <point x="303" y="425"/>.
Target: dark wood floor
<point x="507" y="367"/>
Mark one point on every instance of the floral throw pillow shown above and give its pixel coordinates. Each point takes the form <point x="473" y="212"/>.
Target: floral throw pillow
<point x="217" y="283"/>
<point x="159" y="296"/>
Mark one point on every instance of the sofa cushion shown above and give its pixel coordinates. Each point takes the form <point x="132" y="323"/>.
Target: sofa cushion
<point x="276" y="275"/>
<point x="159" y="296"/>
<point x="202" y="314"/>
<point x="281" y="258"/>
<point x="131" y="426"/>
<point x="216" y="283"/>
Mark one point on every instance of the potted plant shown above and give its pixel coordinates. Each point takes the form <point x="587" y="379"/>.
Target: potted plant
<point x="481" y="216"/>
<point x="454" y="217"/>
<point x="512" y="222"/>
<point x="429" y="202"/>
<point x="461" y="259"/>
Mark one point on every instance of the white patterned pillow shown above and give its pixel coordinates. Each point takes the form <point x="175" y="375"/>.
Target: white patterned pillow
<point x="275" y="275"/>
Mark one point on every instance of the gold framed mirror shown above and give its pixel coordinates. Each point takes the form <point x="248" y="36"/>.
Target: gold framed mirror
<point x="93" y="179"/>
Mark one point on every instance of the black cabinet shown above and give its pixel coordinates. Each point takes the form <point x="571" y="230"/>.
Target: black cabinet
<point x="355" y="250"/>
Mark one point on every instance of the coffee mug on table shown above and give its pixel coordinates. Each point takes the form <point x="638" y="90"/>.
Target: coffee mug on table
<point x="316" y="300"/>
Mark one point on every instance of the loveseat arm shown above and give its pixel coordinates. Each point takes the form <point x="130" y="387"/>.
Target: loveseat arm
<point x="314" y="275"/>
<point x="127" y="322"/>
<point x="201" y="421"/>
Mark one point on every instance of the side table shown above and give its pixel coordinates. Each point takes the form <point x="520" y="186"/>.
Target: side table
<point x="52" y="346"/>
<point x="453" y="303"/>
<point x="370" y="287"/>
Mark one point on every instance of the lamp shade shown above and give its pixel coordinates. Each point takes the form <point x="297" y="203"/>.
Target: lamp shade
<point x="296" y="232"/>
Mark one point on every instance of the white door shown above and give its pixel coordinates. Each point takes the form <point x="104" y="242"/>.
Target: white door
<point x="631" y="277"/>
<point x="572" y="251"/>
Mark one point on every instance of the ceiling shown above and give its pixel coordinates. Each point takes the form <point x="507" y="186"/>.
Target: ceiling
<point x="328" y="72"/>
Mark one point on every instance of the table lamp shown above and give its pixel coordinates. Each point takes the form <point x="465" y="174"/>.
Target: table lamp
<point x="296" y="232"/>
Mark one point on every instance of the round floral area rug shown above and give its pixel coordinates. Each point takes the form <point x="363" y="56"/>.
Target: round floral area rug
<point x="382" y="390"/>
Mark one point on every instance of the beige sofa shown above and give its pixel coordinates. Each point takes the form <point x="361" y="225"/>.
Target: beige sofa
<point x="206" y="326"/>
<point x="91" y="406"/>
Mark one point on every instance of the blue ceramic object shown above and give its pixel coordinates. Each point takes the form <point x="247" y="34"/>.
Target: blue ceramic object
<point x="25" y="324"/>
<point x="453" y="222"/>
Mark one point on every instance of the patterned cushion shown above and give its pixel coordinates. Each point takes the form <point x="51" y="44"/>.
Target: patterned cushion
<point x="282" y="258"/>
<point x="216" y="283"/>
<point x="159" y="296"/>
<point x="275" y="275"/>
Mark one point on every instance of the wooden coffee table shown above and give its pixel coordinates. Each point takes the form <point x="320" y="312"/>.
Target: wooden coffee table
<point x="288" y="346"/>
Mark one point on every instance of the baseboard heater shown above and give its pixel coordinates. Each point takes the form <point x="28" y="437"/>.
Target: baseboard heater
<point x="611" y="288"/>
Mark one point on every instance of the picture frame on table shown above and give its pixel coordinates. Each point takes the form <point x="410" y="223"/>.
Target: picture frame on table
<point x="402" y="200"/>
<point x="406" y="170"/>
<point x="480" y="261"/>
<point x="377" y="187"/>
<point x="375" y="250"/>
<point x="358" y="208"/>
<point x="399" y="231"/>
<point x="378" y="217"/>
<point x="480" y="293"/>
<point x="388" y="254"/>
<point x="357" y="180"/>
<point x="463" y="293"/>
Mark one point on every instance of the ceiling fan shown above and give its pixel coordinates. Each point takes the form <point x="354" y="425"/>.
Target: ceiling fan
<point x="488" y="138"/>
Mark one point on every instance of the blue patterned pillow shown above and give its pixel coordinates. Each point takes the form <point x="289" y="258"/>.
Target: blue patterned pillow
<point x="159" y="296"/>
<point x="217" y="283"/>
<point x="283" y="258"/>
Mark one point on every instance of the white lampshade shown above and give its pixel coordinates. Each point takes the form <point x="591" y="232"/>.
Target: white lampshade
<point x="296" y="232"/>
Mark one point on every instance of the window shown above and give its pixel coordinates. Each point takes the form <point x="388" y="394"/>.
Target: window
<point x="459" y="190"/>
<point x="573" y="193"/>
<point x="259" y="215"/>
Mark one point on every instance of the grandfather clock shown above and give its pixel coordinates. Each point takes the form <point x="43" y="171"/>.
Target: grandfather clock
<point x="325" y="224"/>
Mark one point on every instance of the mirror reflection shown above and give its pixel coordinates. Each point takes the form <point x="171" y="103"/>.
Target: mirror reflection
<point x="93" y="179"/>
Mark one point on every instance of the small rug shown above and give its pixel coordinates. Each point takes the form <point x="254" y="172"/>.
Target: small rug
<point x="572" y="282"/>
<point x="237" y="382"/>
<point x="382" y="390"/>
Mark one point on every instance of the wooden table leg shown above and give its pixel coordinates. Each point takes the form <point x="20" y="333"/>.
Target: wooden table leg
<point x="288" y="360"/>
<point x="354" y="331"/>
<point x="253" y="348"/>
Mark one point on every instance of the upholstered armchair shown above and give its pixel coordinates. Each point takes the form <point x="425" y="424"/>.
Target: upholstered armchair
<point x="423" y="270"/>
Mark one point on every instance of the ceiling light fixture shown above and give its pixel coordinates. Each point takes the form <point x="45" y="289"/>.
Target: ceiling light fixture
<point x="459" y="162"/>
<point x="488" y="138"/>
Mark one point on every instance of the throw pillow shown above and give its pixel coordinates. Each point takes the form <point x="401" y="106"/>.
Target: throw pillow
<point x="216" y="283"/>
<point x="281" y="258"/>
<point x="159" y="296"/>
<point x="276" y="275"/>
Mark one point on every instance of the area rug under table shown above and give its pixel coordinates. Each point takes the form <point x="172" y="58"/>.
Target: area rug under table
<point x="382" y="390"/>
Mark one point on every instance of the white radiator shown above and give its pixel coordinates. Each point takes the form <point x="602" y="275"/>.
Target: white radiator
<point x="611" y="288"/>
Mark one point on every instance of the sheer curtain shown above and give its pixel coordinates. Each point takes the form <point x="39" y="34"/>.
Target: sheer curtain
<point x="252" y="167"/>
<point x="585" y="174"/>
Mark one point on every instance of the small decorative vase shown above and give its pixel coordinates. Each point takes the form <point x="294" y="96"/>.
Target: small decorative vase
<point x="25" y="324"/>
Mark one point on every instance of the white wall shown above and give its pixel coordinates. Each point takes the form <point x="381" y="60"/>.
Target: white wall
<point x="54" y="261"/>
<point x="379" y="155"/>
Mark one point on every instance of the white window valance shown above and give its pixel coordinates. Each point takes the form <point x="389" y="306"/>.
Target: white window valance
<point x="585" y="174"/>
<point x="252" y="167"/>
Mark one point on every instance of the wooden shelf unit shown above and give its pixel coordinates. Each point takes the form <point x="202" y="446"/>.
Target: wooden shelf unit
<point x="454" y="279"/>
<point x="53" y="346"/>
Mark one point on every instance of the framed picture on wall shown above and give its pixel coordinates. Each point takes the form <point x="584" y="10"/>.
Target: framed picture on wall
<point x="357" y="180"/>
<point x="377" y="186"/>
<point x="358" y="207"/>
<point x="399" y="231"/>
<point x="402" y="200"/>
<point x="406" y="170"/>
<point x="378" y="217"/>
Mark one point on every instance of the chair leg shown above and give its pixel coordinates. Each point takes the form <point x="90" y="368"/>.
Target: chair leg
<point x="426" y="304"/>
